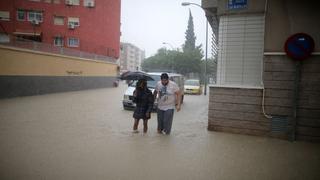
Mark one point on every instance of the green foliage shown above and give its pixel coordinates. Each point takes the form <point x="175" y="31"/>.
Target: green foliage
<point x="188" y="61"/>
<point x="211" y="68"/>
<point x="174" y="61"/>
<point x="190" y="42"/>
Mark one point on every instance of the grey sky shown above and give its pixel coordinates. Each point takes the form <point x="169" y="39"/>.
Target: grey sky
<point x="149" y="23"/>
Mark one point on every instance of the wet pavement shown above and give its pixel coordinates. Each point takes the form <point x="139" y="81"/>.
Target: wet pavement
<point x="87" y="135"/>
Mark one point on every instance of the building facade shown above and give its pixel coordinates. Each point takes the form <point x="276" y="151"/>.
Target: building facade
<point x="87" y="25"/>
<point x="260" y="90"/>
<point x="131" y="57"/>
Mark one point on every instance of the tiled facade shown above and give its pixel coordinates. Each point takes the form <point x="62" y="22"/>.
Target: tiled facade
<point x="286" y="103"/>
<point x="88" y="25"/>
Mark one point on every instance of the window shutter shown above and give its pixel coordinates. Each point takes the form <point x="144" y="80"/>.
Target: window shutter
<point x="58" y="20"/>
<point x="4" y="15"/>
<point x="240" y="57"/>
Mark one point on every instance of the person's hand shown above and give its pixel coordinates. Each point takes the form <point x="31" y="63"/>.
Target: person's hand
<point x="178" y="107"/>
<point x="148" y="115"/>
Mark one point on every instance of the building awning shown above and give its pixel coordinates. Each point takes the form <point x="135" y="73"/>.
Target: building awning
<point x="24" y="33"/>
<point x="25" y="9"/>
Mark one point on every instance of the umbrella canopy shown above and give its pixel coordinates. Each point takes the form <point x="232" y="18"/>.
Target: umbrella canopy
<point x="135" y="75"/>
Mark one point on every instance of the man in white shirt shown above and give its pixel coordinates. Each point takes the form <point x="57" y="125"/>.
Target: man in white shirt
<point x="168" y="98"/>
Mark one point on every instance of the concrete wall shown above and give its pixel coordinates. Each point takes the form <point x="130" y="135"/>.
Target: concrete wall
<point x="239" y="110"/>
<point x="24" y="72"/>
<point x="287" y="17"/>
<point x="209" y="3"/>
<point x="283" y="19"/>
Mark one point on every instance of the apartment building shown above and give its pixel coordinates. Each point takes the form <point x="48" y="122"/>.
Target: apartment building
<point x="87" y="25"/>
<point x="131" y="57"/>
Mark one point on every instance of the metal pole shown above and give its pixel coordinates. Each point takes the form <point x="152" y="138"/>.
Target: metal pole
<point x="295" y="100"/>
<point x="206" y="60"/>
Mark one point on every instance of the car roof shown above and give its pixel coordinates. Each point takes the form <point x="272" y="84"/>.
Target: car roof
<point x="169" y="74"/>
<point x="192" y="80"/>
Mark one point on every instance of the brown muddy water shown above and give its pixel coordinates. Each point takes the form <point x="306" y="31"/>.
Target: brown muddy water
<point x="87" y="135"/>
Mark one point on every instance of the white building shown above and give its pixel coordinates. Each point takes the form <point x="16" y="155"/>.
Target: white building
<point x="131" y="57"/>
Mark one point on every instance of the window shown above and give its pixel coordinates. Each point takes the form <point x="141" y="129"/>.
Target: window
<point x="73" y="21"/>
<point x="73" y="42"/>
<point x="21" y="15"/>
<point x="88" y="3"/>
<point x="240" y="55"/>
<point x="56" y="1"/>
<point x="58" y="41"/>
<point x="4" y="38"/>
<point x="72" y="2"/>
<point x="76" y="2"/>
<point x="4" y="16"/>
<point x="58" y="20"/>
<point x="35" y="16"/>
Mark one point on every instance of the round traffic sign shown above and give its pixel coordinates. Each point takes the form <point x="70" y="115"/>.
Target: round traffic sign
<point x="299" y="46"/>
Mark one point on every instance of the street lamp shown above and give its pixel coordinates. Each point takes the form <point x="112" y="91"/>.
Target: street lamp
<point x="206" y="51"/>
<point x="168" y="44"/>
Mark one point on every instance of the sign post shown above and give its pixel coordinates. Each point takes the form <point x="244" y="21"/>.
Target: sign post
<point x="298" y="47"/>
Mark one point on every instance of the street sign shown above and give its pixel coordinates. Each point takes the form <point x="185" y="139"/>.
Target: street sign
<point x="237" y="4"/>
<point x="299" y="46"/>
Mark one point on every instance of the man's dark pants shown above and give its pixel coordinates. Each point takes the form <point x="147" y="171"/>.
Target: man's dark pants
<point x="165" y="120"/>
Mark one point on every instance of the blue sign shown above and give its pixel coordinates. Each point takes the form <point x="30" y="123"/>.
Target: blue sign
<point x="237" y="4"/>
<point x="299" y="46"/>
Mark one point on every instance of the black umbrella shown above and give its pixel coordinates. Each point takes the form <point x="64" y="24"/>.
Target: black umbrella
<point x="135" y="75"/>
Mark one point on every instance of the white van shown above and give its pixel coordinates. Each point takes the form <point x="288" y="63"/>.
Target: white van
<point x="128" y="95"/>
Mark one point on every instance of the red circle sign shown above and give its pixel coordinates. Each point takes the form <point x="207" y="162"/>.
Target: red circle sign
<point x="299" y="46"/>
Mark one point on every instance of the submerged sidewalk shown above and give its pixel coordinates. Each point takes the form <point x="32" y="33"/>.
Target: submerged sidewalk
<point x="87" y="135"/>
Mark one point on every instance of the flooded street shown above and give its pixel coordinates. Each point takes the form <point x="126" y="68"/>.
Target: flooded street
<point x="88" y="135"/>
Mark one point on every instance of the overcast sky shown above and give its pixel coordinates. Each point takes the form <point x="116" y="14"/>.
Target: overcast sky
<point x="149" y="23"/>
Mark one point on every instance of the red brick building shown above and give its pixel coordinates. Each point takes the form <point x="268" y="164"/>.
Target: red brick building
<point x="87" y="25"/>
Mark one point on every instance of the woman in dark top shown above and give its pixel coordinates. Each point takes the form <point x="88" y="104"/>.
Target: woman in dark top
<point x="143" y="98"/>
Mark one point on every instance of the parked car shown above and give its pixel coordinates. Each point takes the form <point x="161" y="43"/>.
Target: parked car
<point x="128" y="95"/>
<point x="192" y="86"/>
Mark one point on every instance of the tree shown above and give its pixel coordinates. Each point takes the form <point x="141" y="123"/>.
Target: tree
<point x="192" y="53"/>
<point x="190" y="42"/>
<point x="173" y="61"/>
<point x="211" y="69"/>
<point x="164" y="60"/>
<point x="186" y="62"/>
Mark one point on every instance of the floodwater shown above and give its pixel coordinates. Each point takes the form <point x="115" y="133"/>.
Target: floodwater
<point x="87" y="135"/>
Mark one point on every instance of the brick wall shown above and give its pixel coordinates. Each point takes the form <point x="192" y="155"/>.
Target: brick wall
<point x="279" y="79"/>
<point x="238" y="110"/>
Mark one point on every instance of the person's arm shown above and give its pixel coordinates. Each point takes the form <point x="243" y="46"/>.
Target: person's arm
<point x="178" y="101"/>
<point x="155" y="93"/>
<point x="150" y="104"/>
<point x="135" y="96"/>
